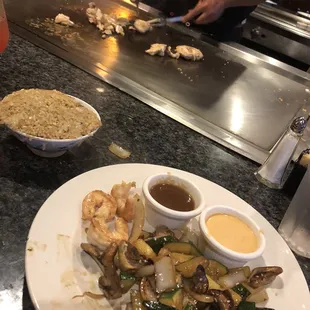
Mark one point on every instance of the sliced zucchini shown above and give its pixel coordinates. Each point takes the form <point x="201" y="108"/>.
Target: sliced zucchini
<point x="241" y="290"/>
<point x="157" y="243"/>
<point x="212" y="284"/>
<point x="155" y="305"/>
<point x="258" y="295"/>
<point x="127" y="281"/>
<point x="172" y="299"/>
<point x="183" y="247"/>
<point x="179" y="258"/>
<point x="188" y="268"/>
<point x="136" y="300"/>
<point x="245" y="305"/>
<point x="126" y="276"/>
<point x="144" y="249"/>
<point x="236" y="298"/>
<point x="190" y="307"/>
<point x="215" y="269"/>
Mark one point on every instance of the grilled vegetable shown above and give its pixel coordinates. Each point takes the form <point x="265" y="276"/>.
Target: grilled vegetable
<point x="190" y="306"/>
<point x="145" y="235"/>
<point x="165" y="275"/>
<point x="136" y="300"/>
<point x="179" y="258"/>
<point x="188" y="268"/>
<point x="172" y="299"/>
<point x="138" y="221"/>
<point x="162" y="231"/>
<point x="127" y="281"/>
<point x="241" y="290"/>
<point x="109" y="282"/>
<point x="157" y="243"/>
<point x="183" y="247"/>
<point x="216" y="270"/>
<point x="245" y="305"/>
<point x="246" y="270"/>
<point x="232" y="279"/>
<point x="264" y="275"/>
<point x="258" y="295"/>
<point x="200" y="281"/>
<point x="144" y="249"/>
<point x="224" y="299"/>
<point x="129" y="257"/>
<point x="145" y="271"/>
<point x="236" y="298"/>
<point x="146" y="290"/>
<point x="199" y="297"/>
<point x="212" y="284"/>
<point x="178" y="279"/>
<point x="155" y="305"/>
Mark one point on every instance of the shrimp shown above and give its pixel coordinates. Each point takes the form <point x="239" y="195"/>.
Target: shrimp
<point x="101" y="236"/>
<point x="121" y="192"/>
<point x="99" y="204"/>
<point x="128" y="212"/>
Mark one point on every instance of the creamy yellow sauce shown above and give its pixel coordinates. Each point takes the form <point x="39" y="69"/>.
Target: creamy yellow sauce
<point x="232" y="233"/>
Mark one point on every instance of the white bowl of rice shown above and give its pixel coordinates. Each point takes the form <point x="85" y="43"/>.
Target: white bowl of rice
<point x="48" y="121"/>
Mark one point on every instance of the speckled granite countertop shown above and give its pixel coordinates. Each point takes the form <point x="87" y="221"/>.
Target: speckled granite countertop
<point x="27" y="180"/>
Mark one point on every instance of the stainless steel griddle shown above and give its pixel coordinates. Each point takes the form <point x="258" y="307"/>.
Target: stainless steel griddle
<point x="236" y="98"/>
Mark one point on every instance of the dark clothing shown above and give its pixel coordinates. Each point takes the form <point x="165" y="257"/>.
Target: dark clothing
<point x="223" y="29"/>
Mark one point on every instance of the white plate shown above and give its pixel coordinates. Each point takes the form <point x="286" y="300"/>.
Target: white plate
<point x="57" y="270"/>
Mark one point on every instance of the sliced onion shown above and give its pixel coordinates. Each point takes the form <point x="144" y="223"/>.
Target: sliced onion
<point x="165" y="275"/>
<point x="138" y="220"/>
<point x="145" y="271"/>
<point x="232" y="279"/>
<point x="91" y="295"/>
<point x="119" y="151"/>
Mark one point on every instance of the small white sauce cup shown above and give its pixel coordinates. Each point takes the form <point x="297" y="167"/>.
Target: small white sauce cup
<point x="215" y="250"/>
<point x="157" y="214"/>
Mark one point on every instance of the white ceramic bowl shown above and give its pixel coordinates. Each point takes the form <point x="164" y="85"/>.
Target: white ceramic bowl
<point x="215" y="250"/>
<point x="53" y="147"/>
<point x="157" y="214"/>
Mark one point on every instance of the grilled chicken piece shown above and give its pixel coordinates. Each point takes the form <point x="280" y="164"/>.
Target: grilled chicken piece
<point x="157" y="49"/>
<point x="189" y="53"/>
<point x="142" y="26"/>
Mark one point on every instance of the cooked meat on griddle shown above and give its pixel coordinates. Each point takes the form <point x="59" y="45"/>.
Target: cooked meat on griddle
<point x="172" y="54"/>
<point x="157" y="49"/>
<point x="107" y="24"/>
<point x="142" y="26"/>
<point x="189" y="52"/>
<point x="63" y="20"/>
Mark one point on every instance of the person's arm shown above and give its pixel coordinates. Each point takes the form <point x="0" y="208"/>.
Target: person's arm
<point x="210" y="10"/>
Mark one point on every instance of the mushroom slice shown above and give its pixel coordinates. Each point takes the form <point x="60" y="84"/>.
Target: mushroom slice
<point x="146" y="290"/>
<point x="200" y="281"/>
<point x="223" y="299"/>
<point x="162" y="231"/>
<point x="157" y="49"/>
<point x="262" y="276"/>
<point x="109" y="282"/>
<point x="93" y="252"/>
<point x="129" y="257"/>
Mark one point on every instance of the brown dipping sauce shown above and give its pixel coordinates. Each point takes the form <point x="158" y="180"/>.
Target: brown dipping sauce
<point x="172" y="197"/>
